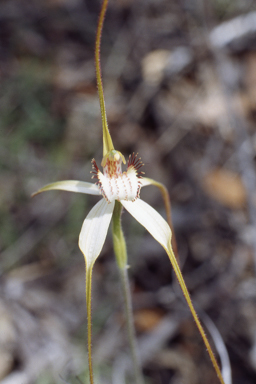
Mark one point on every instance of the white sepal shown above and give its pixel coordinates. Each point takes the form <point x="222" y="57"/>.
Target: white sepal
<point x="145" y="181"/>
<point x="94" y="230"/>
<point x="71" y="186"/>
<point x="151" y="220"/>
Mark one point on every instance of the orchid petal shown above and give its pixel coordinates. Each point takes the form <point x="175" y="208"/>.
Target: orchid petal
<point x="167" y="203"/>
<point x="149" y="218"/>
<point x="165" y="194"/>
<point x="145" y="181"/>
<point x="94" y="230"/>
<point x="71" y="186"/>
<point x="160" y="230"/>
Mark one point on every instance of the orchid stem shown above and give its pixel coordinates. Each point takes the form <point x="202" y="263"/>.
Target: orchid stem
<point x="130" y="326"/>
<point x="121" y="257"/>
<point x="88" y="292"/>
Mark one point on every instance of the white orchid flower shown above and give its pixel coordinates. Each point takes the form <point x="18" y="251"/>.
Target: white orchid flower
<point x="113" y="184"/>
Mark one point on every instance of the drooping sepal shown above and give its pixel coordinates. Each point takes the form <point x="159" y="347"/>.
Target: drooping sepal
<point x="94" y="231"/>
<point x="150" y="219"/>
<point x="145" y="181"/>
<point x="165" y="194"/>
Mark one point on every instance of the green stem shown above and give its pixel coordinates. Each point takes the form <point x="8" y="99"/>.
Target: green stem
<point x="130" y="326"/>
<point x="88" y="293"/>
<point x="121" y="257"/>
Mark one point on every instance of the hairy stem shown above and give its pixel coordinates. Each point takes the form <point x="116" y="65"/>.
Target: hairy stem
<point x="121" y="257"/>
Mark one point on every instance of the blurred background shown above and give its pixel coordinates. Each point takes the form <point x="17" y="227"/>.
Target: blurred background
<point x="180" y="88"/>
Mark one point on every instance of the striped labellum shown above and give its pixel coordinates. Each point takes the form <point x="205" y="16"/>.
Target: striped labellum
<point x="115" y="184"/>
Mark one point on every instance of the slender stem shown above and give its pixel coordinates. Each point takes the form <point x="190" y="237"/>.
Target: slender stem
<point x="130" y="326"/>
<point x="107" y="141"/>
<point x="88" y="293"/>
<point x="121" y="257"/>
